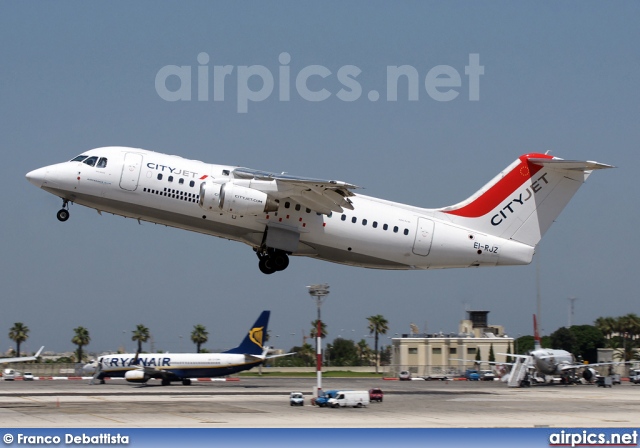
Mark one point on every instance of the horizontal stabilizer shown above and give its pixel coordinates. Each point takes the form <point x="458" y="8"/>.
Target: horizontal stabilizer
<point x="572" y="165"/>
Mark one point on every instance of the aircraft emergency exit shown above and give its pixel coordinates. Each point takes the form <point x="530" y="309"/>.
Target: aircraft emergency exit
<point x="280" y="215"/>
<point x="168" y="367"/>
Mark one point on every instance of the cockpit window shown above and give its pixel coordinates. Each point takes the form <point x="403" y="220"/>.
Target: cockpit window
<point x="79" y="158"/>
<point x="91" y="161"/>
<point x="102" y="163"/>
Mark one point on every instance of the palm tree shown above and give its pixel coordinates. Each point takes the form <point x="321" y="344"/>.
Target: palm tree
<point x="314" y="329"/>
<point x="80" y="338"/>
<point x="363" y="351"/>
<point x="199" y="336"/>
<point x="377" y="325"/>
<point x="607" y="326"/>
<point x="18" y="334"/>
<point x="140" y="334"/>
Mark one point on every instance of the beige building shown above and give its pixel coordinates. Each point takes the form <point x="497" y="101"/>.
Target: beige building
<point x="451" y="354"/>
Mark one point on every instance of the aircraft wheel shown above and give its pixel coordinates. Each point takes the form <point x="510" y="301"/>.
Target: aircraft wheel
<point x="186" y="382"/>
<point x="280" y="261"/>
<point x="266" y="266"/>
<point x="166" y="382"/>
<point x="63" y="215"/>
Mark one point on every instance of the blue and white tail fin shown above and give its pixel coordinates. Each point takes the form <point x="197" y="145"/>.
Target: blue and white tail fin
<point x="253" y="342"/>
<point x="522" y="201"/>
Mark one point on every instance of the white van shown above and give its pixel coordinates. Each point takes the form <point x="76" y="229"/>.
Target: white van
<point x="8" y="374"/>
<point x="354" y="398"/>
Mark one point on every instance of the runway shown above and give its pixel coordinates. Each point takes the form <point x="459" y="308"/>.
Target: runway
<point x="263" y="403"/>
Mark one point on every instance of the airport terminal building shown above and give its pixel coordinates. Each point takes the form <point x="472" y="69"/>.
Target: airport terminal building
<point x="436" y="355"/>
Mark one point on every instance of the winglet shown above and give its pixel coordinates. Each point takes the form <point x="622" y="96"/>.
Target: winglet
<point x="39" y="351"/>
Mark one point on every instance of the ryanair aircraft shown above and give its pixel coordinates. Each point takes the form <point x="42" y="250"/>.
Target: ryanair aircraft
<point x="168" y="367"/>
<point x="280" y="215"/>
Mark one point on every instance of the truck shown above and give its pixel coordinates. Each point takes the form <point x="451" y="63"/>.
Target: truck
<point x="634" y="376"/>
<point x="351" y="398"/>
<point x="323" y="400"/>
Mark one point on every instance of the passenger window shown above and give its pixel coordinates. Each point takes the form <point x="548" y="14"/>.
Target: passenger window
<point x="297" y="207"/>
<point x="375" y="224"/>
<point x="91" y="161"/>
<point x="343" y="217"/>
<point x="78" y="159"/>
<point x="102" y="163"/>
<point x="287" y="204"/>
<point x="181" y="181"/>
<point x="170" y="178"/>
<point x="192" y="183"/>
<point x="364" y="222"/>
<point x="160" y="177"/>
<point x="354" y="220"/>
<point x="395" y="229"/>
<point x="385" y="227"/>
<point x="308" y="210"/>
<point x="406" y="231"/>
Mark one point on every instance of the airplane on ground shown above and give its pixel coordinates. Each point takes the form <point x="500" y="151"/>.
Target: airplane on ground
<point x="9" y="374"/>
<point x="279" y="215"/>
<point x="168" y="367"/>
<point x="545" y="363"/>
<point x="22" y="358"/>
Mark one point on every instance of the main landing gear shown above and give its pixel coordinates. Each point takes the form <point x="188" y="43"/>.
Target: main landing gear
<point x="272" y="260"/>
<point x="63" y="213"/>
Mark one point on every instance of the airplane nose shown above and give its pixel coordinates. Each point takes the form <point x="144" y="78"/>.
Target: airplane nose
<point x="37" y="177"/>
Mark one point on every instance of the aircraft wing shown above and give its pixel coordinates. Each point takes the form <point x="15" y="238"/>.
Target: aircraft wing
<point x="321" y="196"/>
<point x="586" y="366"/>
<point x="22" y="358"/>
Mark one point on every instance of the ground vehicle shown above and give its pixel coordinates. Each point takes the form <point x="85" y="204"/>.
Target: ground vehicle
<point x="404" y="375"/>
<point x="8" y="374"/>
<point x="634" y="376"/>
<point x="296" y="399"/>
<point x="323" y="399"/>
<point x="376" y="394"/>
<point x="353" y="398"/>
<point x="487" y="375"/>
<point x="472" y="375"/>
<point x="27" y="376"/>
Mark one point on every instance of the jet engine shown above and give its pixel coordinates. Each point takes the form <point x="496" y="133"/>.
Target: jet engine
<point x="136" y="376"/>
<point x="589" y="374"/>
<point x="232" y="198"/>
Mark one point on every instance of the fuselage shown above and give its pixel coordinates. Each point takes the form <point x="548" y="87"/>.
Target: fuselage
<point x="551" y="362"/>
<point x="178" y="365"/>
<point x="165" y="189"/>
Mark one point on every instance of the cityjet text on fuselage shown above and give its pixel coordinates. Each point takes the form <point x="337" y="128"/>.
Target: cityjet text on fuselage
<point x="171" y="170"/>
<point x="536" y="186"/>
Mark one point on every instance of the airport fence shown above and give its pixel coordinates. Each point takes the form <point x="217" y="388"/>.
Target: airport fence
<point x="47" y="369"/>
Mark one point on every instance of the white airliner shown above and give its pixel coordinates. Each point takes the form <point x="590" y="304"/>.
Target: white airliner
<point x="280" y="215"/>
<point x="22" y="358"/>
<point x="545" y="363"/>
<point x="168" y="367"/>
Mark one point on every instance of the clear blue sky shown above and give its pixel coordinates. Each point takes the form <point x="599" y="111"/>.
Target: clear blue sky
<point x="563" y="77"/>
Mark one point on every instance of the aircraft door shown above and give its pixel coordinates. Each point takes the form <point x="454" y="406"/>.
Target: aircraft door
<point x="131" y="171"/>
<point x="424" y="236"/>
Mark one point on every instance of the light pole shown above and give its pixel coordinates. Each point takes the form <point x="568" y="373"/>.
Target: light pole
<point x="319" y="292"/>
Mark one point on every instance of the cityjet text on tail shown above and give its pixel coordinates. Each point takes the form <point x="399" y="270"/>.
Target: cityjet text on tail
<point x="280" y="215"/>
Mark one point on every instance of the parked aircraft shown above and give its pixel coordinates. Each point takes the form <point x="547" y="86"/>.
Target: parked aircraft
<point x="545" y="363"/>
<point x="168" y="367"/>
<point x="22" y="358"/>
<point x="280" y="215"/>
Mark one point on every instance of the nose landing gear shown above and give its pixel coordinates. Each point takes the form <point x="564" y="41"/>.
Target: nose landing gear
<point x="63" y="213"/>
